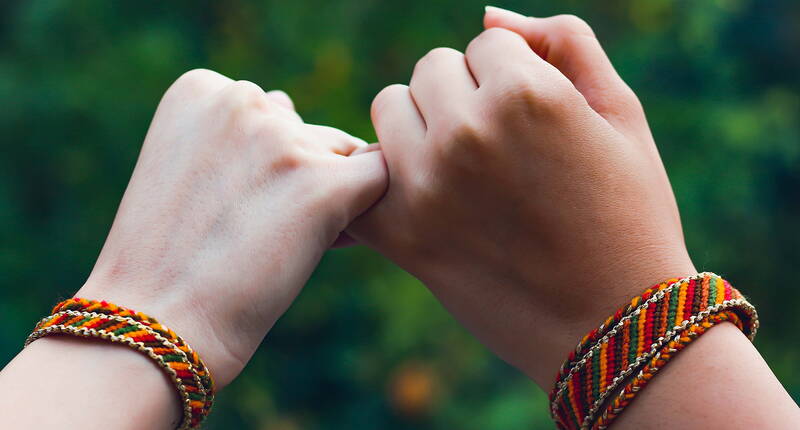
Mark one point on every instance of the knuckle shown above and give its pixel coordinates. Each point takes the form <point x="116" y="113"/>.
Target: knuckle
<point x="196" y="76"/>
<point x="248" y="93"/>
<point x="497" y="34"/>
<point x="573" y="25"/>
<point x="384" y="97"/>
<point x="466" y="145"/>
<point x="195" y="81"/>
<point x="441" y="53"/>
<point x="630" y="96"/>
<point x="491" y="37"/>
<point x="463" y="132"/>
<point x="423" y="189"/>
<point x="288" y="159"/>
<point x="242" y="99"/>
<point x="279" y="131"/>
<point x="246" y="126"/>
<point x="520" y="85"/>
<point x="247" y="87"/>
<point x="434" y="56"/>
<point x="282" y="143"/>
<point x="557" y="91"/>
<point x="542" y="98"/>
<point x="494" y="32"/>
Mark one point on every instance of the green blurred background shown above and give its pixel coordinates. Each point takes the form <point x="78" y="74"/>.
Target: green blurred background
<point x="365" y="345"/>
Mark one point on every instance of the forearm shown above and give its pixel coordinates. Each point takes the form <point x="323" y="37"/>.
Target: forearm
<point x="64" y="382"/>
<point x="555" y="317"/>
<point x="720" y="379"/>
<point x="717" y="378"/>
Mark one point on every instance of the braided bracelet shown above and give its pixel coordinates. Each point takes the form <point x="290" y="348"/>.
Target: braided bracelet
<point x="625" y="397"/>
<point x="640" y="337"/>
<point x="103" y="320"/>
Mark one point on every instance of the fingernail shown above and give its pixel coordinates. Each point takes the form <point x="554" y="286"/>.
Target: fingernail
<point x="501" y="11"/>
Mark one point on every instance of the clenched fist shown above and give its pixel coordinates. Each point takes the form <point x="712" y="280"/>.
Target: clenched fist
<point x="231" y="205"/>
<point x="525" y="188"/>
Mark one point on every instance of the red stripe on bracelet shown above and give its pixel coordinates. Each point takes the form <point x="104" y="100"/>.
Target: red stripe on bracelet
<point x="598" y="367"/>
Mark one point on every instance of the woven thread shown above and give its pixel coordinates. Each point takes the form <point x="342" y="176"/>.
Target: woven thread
<point x="628" y="340"/>
<point x="103" y="320"/>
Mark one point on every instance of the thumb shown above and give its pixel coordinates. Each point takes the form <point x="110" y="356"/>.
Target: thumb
<point x="569" y="44"/>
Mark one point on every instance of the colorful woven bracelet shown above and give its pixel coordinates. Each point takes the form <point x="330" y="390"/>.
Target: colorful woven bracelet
<point x="625" y="397"/>
<point x="103" y="320"/>
<point x="640" y="337"/>
<point x="592" y="337"/>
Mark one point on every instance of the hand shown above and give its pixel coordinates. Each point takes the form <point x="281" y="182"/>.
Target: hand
<point x="231" y="205"/>
<point x="526" y="190"/>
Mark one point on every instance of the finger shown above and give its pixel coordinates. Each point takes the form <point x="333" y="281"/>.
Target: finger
<point x="569" y="44"/>
<point x="441" y="81"/>
<point x="397" y="121"/>
<point x="364" y="149"/>
<point x="364" y="179"/>
<point x="497" y="55"/>
<point x="334" y="140"/>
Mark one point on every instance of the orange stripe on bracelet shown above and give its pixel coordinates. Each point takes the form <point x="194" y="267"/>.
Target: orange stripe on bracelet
<point x="100" y="319"/>
<point x="597" y="368"/>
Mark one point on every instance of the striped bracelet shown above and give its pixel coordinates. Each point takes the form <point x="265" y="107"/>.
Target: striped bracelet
<point x="636" y="341"/>
<point x="103" y="320"/>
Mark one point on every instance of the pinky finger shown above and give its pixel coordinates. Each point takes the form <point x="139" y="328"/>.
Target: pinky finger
<point x="337" y="141"/>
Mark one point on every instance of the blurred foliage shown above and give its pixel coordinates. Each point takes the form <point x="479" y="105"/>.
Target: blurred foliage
<point x="365" y="345"/>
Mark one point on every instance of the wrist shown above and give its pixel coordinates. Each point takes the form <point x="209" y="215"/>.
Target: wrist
<point x="114" y="375"/>
<point x="533" y="321"/>
<point x="178" y="312"/>
<point x="600" y="298"/>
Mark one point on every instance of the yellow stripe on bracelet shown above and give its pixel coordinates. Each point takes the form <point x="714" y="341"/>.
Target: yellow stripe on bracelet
<point x="102" y="320"/>
<point x="640" y="337"/>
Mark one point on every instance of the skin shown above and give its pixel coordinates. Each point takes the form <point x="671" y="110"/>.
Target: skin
<point x="528" y="194"/>
<point x="231" y="205"/>
<point x="567" y="206"/>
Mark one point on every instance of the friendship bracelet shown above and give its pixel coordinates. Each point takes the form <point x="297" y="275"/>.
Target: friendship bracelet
<point x="680" y="341"/>
<point x="614" y="323"/>
<point x="646" y="299"/>
<point x="103" y="307"/>
<point x="629" y="340"/>
<point x="102" y="320"/>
